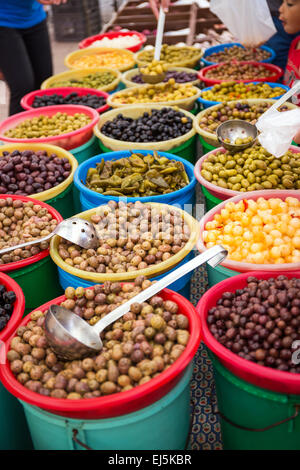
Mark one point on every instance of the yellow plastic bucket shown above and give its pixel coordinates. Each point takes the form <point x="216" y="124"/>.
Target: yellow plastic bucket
<point x="61" y="196"/>
<point x="191" y="63"/>
<point x="92" y="51"/>
<point x="135" y="112"/>
<point x="152" y="271"/>
<point x="55" y="80"/>
<point x="127" y="76"/>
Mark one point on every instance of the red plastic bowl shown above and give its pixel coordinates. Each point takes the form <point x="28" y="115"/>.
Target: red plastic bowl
<point x="217" y="191"/>
<point x="68" y="141"/>
<point x="261" y="376"/>
<point x="27" y="100"/>
<point x="115" y="34"/>
<point x="278" y="72"/>
<point x="32" y="259"/>
<point x="120" y="403"/>
<point x="19" y="306"/>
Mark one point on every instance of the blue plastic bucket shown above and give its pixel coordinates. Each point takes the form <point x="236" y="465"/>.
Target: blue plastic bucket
<point x="208" y="104"/>
<point x="14" y="433"/>
<point x="90" y="199"/>
<point x="182" y="285"/>
<point x="221" y="47"/>
<point x="169" y="416"/>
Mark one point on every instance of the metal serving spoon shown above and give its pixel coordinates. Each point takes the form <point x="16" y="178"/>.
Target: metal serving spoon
<point x="71" y="337"/>
<point x="75" y="230"/>
<point x="147" y="78"/>
<point x="236" y="128"/>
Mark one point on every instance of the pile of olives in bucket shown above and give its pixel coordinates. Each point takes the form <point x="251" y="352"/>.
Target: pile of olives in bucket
<point x="260" y="322"/>
<point x="252" y="169"/>
<point x="47" y="126"/>
<point x="213" y="117"/>
<point x="93" y="101"/>
<point x="155" y="126"/>
<point x="229" y="91"/>
<point x="7" y="300"/>
<point x="131" y="237"/>
<point x="31" y="172"/>
<point x="239" y="72"/>
<point x="171" y="55"/>
<point x="137" y="176"/>
<point x="136" y="348"/>
<point x="239" y="53"/>
<point x="91" y="80"/>
<point x="179" y="77"/>
<point x="22" y="222"/>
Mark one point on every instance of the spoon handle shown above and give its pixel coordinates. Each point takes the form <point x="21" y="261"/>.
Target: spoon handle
<point x="285" y="97"/>
<point x="214" y="255"/>
<point x="159" y="33"/>
<point x="22" y="245"/>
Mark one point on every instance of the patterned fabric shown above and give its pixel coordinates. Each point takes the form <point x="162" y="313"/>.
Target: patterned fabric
<point x="205" y="432"/>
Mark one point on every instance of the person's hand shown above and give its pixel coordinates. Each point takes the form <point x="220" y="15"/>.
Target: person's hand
<point x="155" y="5"/>
<point x="52" y="2"/>
<point x="297" y="138"/>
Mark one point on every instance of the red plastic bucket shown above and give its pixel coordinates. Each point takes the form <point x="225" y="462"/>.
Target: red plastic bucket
<point x="27" y="100"/>
<point x="115" y="34"/>
<point x="120" y="403"/>
<point x="278" y="72"/>
<point x="68" y="141"/>
<point x="261" y="376"/>
<point x="19" y="306"/>
<point x="217" y="191"/>
<point x="32" y="259"/>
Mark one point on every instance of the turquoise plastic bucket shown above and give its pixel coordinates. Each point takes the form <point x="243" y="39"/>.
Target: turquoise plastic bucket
<point x="14" y="433"/>
<point x="254" y="408"/>
<point x="89" y="199"/>
<point x="87" y="150"/>
<point x="219" y="273"/>
<point x="182" y="285"/>
<point x="170" y="417"/>
<point x="187" y="150"/>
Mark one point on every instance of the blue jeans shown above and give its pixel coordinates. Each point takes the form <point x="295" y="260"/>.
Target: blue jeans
<point x="280" y="43"/>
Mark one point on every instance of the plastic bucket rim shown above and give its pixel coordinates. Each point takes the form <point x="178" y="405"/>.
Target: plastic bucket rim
<point x="19" y="306"/>
<point x="61" y="153"/>
<point x="65" y="405"/>
<point x="130" y="275"/>
<point x="208" y="103"/>
<point x="93" y="160"/>
<point x="92" y="113"/>
<point x="278" y="72"/>
<point x="15" y="265"/>
<point x="240" y="266"/>
<point x="231" y="44"/>
<point x="98" y="50"/>
<point x="28" y="99"/>
<point x="132" y="71"/>
<point x="213" y="188"/>
<point x="88" y="41"/>
<point x="142" y="108"/>
<point x="222" y="353"/>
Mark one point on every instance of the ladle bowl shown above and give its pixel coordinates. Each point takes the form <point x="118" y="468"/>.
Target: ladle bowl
<point x="236" y="129"/>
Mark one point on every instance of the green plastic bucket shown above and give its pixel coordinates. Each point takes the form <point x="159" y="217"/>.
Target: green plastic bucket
<point x="162" y="425"/>
<point x="218" y="274"/>
<point x="187" y="150"/>
<point x="64" y="202"/>
<point x="86" y="151"/>
<point x="14" y="433"/>
<point x="210" y="200"/>
<point x="246" y="410"/>
<point x="39" y="282"/>
<point x="205" y="146"/>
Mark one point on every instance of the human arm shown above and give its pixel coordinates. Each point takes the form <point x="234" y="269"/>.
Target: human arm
<point x="51" y="2"/>
<point x="155" y="4"/>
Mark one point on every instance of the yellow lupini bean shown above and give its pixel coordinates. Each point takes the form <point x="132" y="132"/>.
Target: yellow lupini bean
<point x="266" y="231"/>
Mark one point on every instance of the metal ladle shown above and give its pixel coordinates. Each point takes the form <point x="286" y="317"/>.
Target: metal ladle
<point x="235" y="128"/>
<point x="146" y="77"/>
<point x="71" y="337"/>
<point x="75" y="230"/>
